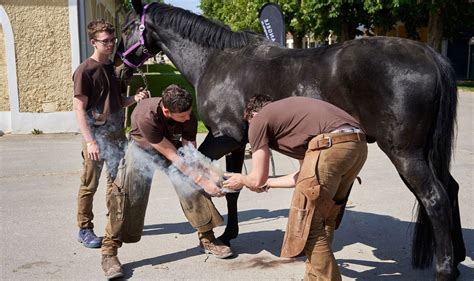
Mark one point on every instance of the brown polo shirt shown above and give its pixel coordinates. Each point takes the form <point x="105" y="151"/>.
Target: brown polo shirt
<point x="150" y="126"/>
<point x="98" y="83"/>
<point x="287" y="125"/>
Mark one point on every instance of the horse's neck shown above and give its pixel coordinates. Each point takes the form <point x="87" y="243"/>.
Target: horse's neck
<point x="188" y="57"/>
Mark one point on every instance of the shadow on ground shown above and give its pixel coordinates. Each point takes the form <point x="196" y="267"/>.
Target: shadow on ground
<point x="388" y="238"/>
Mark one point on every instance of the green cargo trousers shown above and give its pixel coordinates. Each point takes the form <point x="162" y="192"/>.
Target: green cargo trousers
<point x="129" y="199"/>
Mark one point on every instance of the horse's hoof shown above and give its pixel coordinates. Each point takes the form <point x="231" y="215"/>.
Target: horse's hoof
<point x="443" y="276"/>
<point x="457" y="273"/>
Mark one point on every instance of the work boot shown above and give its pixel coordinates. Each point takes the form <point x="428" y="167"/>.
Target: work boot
<point x="216" y="248"/>
<point x="112" y="267"/>
<point x="88" y="238"/>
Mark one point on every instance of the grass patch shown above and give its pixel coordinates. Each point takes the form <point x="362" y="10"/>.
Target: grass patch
<point x="467" y="86"/>
<point x="201" y="128"/>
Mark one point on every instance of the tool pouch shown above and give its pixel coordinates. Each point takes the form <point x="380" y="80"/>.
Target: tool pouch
<point x="308" y="195"/>
<point x="197" y="207"/>
<point x="128" y="203"/>
<point x="200" y="211"/>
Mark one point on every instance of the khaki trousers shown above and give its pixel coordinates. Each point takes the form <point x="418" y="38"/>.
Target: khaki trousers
<point x="111" y="151"/>
<point x="129" y="199"/>
<point x="337" y="168"/>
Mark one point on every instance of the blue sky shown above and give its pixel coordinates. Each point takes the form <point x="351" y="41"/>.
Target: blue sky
<point x="191" y="5"/>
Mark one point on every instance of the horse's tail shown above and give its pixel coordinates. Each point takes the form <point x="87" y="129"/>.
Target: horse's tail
<point x="439" y="151"/>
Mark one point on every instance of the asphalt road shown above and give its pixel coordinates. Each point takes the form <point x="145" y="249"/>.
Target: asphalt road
<point x="39" y="178"/>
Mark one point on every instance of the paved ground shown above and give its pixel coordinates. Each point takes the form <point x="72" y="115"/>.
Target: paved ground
<point x="39" y="177"/>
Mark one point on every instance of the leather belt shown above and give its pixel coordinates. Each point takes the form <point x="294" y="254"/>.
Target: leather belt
<point x="327" y="140"/>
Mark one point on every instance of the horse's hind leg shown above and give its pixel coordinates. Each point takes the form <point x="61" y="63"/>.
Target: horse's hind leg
<point x="434" y="217"/>
<point x="458" y="241"/>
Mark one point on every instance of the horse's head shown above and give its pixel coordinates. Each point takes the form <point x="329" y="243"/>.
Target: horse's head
<point x="136" y="44"/>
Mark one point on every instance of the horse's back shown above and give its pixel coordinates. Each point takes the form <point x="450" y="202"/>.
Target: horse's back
<point x="381" y="81"/>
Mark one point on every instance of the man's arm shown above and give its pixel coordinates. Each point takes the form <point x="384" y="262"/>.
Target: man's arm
<point x="168" y="150"/>
<point x="80" y="105"/>
<point x="256" y="179"/>
<point x="288" y="181"/>
<point x="140" y="94"/>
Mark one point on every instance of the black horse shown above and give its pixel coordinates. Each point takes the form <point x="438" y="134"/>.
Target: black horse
<point x="403" y="93"/>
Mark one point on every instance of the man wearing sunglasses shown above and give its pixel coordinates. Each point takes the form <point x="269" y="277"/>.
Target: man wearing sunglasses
<point x="98" y="104"/>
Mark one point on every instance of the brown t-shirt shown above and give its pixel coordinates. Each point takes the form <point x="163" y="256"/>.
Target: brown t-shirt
<point x="149" y="125"/>
<point x="288" y="125"/>
<point x="98" y="83"/>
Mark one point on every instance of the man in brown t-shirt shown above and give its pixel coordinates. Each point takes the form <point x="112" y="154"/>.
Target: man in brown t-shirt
<point x="159" y="127"/>
<point x="331" y="149"/>
<point x="98" y="104"/>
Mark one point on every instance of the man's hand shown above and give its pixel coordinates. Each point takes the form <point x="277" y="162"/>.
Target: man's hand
<point x="93" y="150"/>
<point x="235" y="181"/>
<point x="260" y="189"/>
<point x="210" y="187"/>
<point x="141" y="94"/>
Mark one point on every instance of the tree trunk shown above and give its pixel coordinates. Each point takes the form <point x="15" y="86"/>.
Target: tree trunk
<point x="435" y="29"/>
<point x="347" y="32"/>
<point x="297" y="41"/>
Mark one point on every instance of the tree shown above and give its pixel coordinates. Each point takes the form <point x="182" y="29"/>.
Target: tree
<point x="447" y="18"/>
<point x="444" y="18"/>
<point x="243" y="14"/>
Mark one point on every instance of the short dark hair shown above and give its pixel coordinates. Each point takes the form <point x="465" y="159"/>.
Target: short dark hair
<point x="255" y="104"/>
<point x="99" y="25"/>
<point x="176" y="99"/>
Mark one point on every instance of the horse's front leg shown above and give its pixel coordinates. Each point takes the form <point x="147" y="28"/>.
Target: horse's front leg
<point x="234" y="162"/>
<point x="215" y="148"/>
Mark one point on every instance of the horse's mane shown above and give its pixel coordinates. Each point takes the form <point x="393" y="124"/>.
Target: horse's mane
<point x="198" y="29"/>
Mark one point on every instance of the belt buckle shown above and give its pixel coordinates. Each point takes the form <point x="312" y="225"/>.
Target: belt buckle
<point x="329" y="138"/>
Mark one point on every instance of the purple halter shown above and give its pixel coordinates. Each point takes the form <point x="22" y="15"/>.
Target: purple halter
<point x="138" y="44"/>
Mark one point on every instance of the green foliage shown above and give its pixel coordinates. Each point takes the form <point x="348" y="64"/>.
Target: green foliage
<point x="303" y="17"/>
<point x="238" y="14"/>
<point x="243" y="14"/>
<point x="36" y="132"/>
<point x="457" y="14"/>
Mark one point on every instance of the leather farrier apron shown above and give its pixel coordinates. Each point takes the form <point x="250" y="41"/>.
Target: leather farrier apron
<point x="309" y="194"/>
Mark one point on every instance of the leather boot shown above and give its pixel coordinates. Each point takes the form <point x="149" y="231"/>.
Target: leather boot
<point x="214" y="246"/>
<point x="112" y="267"/>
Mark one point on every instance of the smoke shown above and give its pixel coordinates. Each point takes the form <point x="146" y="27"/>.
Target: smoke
<point x="191" y="158"/>
<point x="112" y="146"/>
<point x="202" y="165"/>
<point x="111" y="140"/>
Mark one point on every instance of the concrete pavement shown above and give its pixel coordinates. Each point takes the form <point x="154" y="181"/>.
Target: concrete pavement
<point x="39" y="178"/>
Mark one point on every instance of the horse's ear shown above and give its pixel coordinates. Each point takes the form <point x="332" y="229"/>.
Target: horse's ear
<point x="137" y="6"/>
